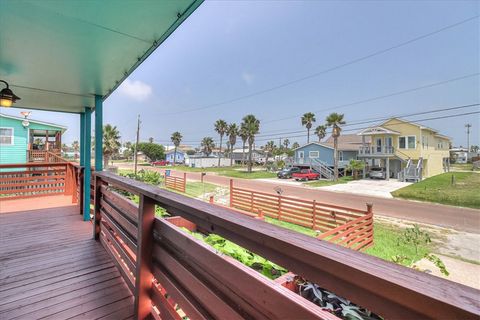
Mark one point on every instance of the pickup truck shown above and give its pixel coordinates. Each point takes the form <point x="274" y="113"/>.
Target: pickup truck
<point x="306" y="174"/>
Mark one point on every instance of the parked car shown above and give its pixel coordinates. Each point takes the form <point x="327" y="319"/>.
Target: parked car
<point x="306" y="174"/>
<point x="377" y="173"/>
<point x="286" y="173"/>
<point x="160" y="163"/>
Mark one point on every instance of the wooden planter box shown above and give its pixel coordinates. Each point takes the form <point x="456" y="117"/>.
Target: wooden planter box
<point x="182" y="223"/>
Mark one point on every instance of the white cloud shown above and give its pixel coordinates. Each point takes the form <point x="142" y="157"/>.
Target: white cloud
<point x="136" y="89"/>
<point x="248" y="77"/>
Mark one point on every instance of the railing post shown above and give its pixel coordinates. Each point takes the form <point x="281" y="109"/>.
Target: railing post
<point x="143" y="279"/>
<point x="97" y="215"/>
<point x="231" y="193"/>
<point x="184" y="182"/>
<point x="80" y="189"/>
<point x="279" y="213"/>
<point x="369" y="207"/>
<point x="68" y="180"/>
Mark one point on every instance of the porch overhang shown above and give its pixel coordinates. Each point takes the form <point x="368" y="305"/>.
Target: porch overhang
<point x="377" y="130"/>
<point x="58" y="55"/>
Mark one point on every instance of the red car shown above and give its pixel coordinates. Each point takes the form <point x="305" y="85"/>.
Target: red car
<point x="161" y="163"/>
<point x="306" y="174"/>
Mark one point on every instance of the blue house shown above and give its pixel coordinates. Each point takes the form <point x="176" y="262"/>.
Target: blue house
<point x="322" y="152"/>
<point x="179" y="158"/>
<point x="25" y="140"/>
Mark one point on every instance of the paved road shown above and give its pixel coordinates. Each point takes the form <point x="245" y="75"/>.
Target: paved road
<point x="462" y="219"/>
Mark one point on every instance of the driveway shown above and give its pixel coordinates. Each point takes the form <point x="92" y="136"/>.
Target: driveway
<point x="368" y="187"/>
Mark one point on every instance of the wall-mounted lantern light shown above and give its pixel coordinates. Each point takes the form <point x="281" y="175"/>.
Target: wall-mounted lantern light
<point x="25" y="123"/>
<point x="7" y="97"/>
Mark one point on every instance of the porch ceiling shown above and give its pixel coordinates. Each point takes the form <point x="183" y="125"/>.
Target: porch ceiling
<point x="56" y="55"/>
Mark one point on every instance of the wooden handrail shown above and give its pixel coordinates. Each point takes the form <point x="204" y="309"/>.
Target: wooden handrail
<point x="390" y="290"/>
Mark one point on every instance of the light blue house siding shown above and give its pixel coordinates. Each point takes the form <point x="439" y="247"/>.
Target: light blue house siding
<point x="16" y="150"/>
<point x="180" y="157"/>
<point x="306" y="153"/>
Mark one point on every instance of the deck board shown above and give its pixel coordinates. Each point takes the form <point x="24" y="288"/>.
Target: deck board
<point x="50" y="267"/>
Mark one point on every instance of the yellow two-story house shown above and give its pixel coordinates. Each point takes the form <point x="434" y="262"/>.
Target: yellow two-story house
<point x="406" y="150"/>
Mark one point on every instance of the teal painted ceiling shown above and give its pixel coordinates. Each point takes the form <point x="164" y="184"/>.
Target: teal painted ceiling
<point x="57" y="54"/>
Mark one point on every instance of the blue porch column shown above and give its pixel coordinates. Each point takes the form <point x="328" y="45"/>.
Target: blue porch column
<point x="82" y="138"/>
<point x="98" y="133"/>
<point x="87" y="141"/>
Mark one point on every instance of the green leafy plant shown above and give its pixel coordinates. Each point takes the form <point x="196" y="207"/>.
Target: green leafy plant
<point x="438" y="263"/>
<point x="415" y="237"/>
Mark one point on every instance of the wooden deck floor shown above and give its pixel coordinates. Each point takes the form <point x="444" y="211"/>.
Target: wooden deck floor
<point x="50" y="268"/>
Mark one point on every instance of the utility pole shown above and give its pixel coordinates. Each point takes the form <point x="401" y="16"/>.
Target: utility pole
<point x="136" y="146"/>
<point x="468" y="126"/>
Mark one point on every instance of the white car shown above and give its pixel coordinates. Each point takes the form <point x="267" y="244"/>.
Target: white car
<point x="377" y="173"/>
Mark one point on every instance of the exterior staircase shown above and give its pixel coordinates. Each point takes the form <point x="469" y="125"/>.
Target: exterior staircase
<point x="412" y="171"/>
<point x="321" y="167"/>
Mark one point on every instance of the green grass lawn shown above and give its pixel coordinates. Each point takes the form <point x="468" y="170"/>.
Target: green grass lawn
<point x="291" y="226"/>
<point x="323" y="183"/>
<point x="386" y="245"/>
<point x="465" y="192"/>
<point x="233" y="172"/>
<point x="462" y="166"/>
<point x="196" y="189"/>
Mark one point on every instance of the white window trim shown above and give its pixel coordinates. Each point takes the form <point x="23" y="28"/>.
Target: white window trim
<point x="12" y="137"/>
<point x="340" y="155"/>
<point x="406" y="143"/>
<point x="314" y="157"/>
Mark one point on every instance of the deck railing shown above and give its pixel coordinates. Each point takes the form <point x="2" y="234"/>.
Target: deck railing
<point x="176" y="183"/>
<point x="191" y="278"/>
<point x="376" y="150"/>
<point x="39" y="179"/>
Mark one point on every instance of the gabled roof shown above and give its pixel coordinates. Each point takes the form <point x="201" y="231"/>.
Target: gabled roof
<point x="421" y="126"/>
<point x="63" y="128"/>
<point x="377" y="130"/>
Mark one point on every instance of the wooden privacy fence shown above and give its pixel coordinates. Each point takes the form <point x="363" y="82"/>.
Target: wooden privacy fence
<point x="38" y="179"/>
<point x="172" y="274"/>
<point x="345" y="226"/>
<point x="176" y="183"/>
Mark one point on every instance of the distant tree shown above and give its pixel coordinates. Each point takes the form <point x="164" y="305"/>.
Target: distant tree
<point x="150" y="139"/>
<point x="307" y="120"/>
<point x="128" y="150"/>
<point x="244" y="136"/>
<point x="221" y="128"/>
<point x="38" y="142"/>
<point x="286" y="143"/>
<point x="152" y="151"/>
<point x="232" y="133"/>
<point x="295" y="145"/>
<point x="190" y="152"/>
<point x="76" y="148"/>
<point x="269" y="149"/>
<point x="335" y="120"/>
<point x="252" y="126"/>
<point x="111" y="142"/>
<point x="176" y="139"/>
<point x="474" y="149"/>
<point x="207" y="145"/>
<point x="321" y="132"/>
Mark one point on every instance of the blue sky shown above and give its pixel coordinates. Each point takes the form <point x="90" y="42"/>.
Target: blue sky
<point x="230" y="49"/>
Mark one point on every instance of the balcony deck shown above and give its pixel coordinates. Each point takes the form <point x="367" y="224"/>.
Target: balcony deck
<point x="50" y="267"/>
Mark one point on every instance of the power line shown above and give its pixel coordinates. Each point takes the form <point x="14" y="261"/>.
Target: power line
<point x="379" y="97"/>
<point x="357" y="129"/>
<point x="372" y="120"/>
<point x="313" y="75"/>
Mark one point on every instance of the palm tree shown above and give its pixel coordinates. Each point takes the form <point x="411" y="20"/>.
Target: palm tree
<point x="295" y="145"/>
<point x="355" y="166"/>
<point x="76" y="148"/>
<point x="150" y="139"/>
<point x="269" y="148"/>
<point x="176" y="139"/>
<point x="221" y="128"/>
<point x="307" y="120"/>
<point x="232" y="133"/>
<point x="334" y="120"/>
<point x="286" y="143"/>
<point x="321" y="132"/>
<point x="244" y="136"/>
<point x="207" y="145"/>
<point x="111" y="142"/>
<point x="252" y="126"/>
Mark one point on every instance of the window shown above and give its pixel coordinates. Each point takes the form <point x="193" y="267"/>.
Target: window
<point x="300" y="154"/>
<point x="314" y="154"/>
<point x="411" y="142"/>
<point x="408" y="142"/>
<point x="340" y="155"/>
<point x="6" y="136"/>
